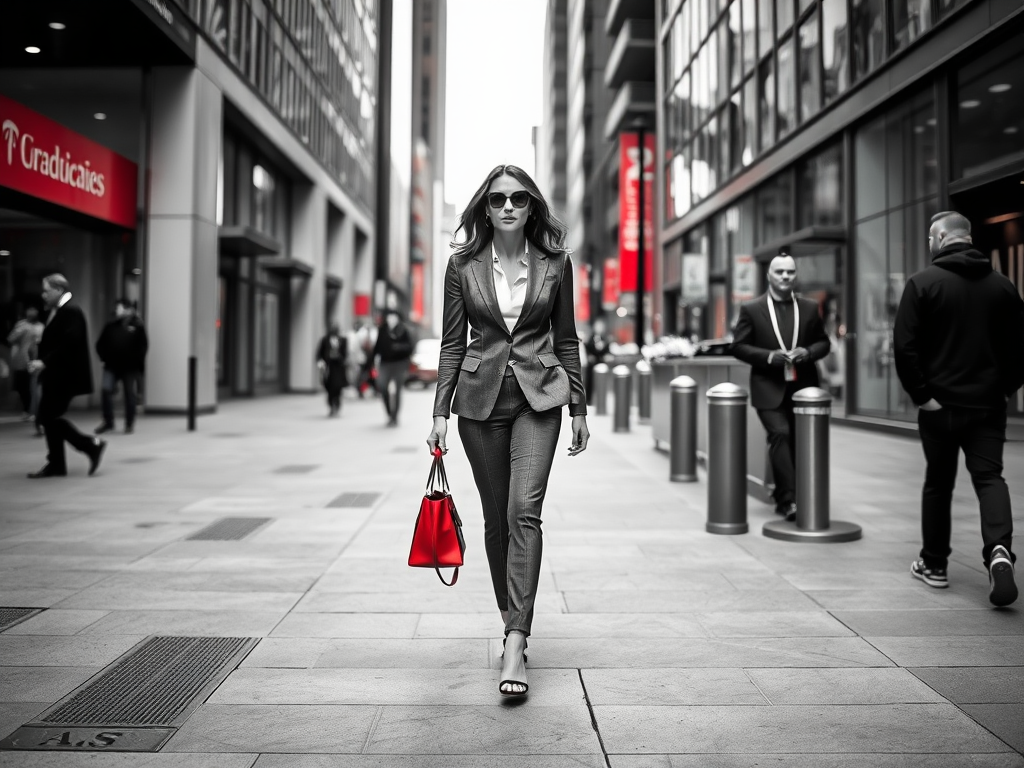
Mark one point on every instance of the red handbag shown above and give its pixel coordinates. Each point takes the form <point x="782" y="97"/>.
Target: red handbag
<point x="437" y="540"/>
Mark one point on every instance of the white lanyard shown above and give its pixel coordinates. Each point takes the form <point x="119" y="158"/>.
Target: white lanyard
<point x="775" y="322"/>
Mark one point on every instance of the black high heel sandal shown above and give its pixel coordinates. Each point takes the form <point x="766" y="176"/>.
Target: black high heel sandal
<point x="526" y="644"/>
<point x="503" y="683"/>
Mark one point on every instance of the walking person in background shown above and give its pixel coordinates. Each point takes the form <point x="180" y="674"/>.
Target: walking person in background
<point x="597" y="352"/>
<point x="24" y="340"/>
<point x="122" y="347"/>
<point x="509" y="285"/>
<point x="366" y="335"/>
<point x="65" y="372"/>
<point x="781" y="337"/>
<point x="393" y="348"/>
<point x="959" y="347"/>
<point x="332" y="359"/>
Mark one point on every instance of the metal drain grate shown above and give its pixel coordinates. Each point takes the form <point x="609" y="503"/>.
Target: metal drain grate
<point x="295" y="469"/>
<point x="354" y="500"/>
<point x="229" y="529"/>
<point x="11" y="616"/>
<point x="156" y="683"/>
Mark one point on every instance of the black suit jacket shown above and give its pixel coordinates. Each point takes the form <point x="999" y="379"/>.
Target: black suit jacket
<point x="64" y="350"/>
<point x="543" y="347"/>
<point x="754" y="340"/>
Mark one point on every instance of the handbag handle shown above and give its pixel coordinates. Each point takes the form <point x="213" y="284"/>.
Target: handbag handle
<point x="437" y="470"/>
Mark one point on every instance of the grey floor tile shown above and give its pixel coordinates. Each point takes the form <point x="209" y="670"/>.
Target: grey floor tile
<point x="503" y="730"/>
<point x="867" y="760"/>
<point x="213" y="581"/>
<point x="1004" y="720"/>
<point x="842" y="686"/>
<point x="952" y="651"/>
<point x="895" y="729"/>
<point x="281" y="729"/>
<point x="125" y="760"/>
<point x="685" y="601"/>
<point x="424" y="601"/>
<point x="129" y="599"/>
<point x="772" y="624"/>
<point x="909" y="599"/>
<point x="431" y="761"/>
<point x="201" y="622"/>
<point x="14" y="714"/>
<point x="689" y="579"/>
<point x="565" y="625"/>
<point x="658" y="687"/>
<point x="38" y="578"/>
<point x="33" y="597"/>
<point x="697" y="652"/>
<point x="56" y="621"/>
<point x="925" y="623"/>
<point x="77" y="650"/>
<point x="373" y="625"/>
<point x="976" y="685"/>
<point x="421" y="687"/>
<point x="296" y="653"/>
<point x="400" y="654"/>
<point x="26" y="684"/>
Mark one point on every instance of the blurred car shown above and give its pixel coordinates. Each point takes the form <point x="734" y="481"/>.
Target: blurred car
<point x="424" y="361"/>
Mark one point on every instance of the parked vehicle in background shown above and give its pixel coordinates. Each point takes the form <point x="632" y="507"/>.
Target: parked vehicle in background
<point x="426" y="356"/>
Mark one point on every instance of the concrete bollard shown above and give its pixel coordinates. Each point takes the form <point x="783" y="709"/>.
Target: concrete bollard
<point x="812" y="407"/>
<point x="644" y="382"/>
<point x="683" y="435"/>
<point x="622" y="379"/>
<point x="601" y="377"/>
<point x="727" y="459"/>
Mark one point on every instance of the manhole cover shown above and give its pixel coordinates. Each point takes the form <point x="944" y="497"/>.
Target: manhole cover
<point x="229" y="529"/>
<point x="354" y="500"/>
<point x="136" y="703"/>
<point x="295" y="469"/>
<point x="11" y="616"/>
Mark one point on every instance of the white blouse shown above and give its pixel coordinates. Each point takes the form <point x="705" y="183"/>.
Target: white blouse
<point x="510" y="301"/>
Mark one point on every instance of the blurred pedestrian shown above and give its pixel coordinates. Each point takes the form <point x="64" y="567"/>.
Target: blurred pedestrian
<point x="781" y="337"/>
<point x="393" y="349"/>
<point x="597" y="351"/>
<point x="366" y="334"/>
<point x="959" y="348"/>
<point x="65" y="371"/>
<point x="509" y="285"/>
<point x="24" y="341"/>
<point x="122" y="347"/>
<point x="332" y="360"/>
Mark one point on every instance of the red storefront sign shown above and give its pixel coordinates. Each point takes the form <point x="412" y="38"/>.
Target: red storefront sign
<point x="46" y="160"/>
<point x="583" y="293"/>
<point x="610" y="287"/>
<point x="629" y="210"/>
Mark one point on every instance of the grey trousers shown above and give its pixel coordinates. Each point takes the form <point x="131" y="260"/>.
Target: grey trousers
<point x="511" y="454"/>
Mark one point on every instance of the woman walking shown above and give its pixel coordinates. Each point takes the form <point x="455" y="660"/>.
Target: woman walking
<point x="330" y="359"/>
<point x="509" y="282"/>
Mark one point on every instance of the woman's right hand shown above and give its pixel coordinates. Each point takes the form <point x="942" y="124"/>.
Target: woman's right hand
<point x="437" y="436"/>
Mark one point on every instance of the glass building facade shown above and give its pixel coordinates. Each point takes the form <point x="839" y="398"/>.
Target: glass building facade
<point x="834" y="129"/>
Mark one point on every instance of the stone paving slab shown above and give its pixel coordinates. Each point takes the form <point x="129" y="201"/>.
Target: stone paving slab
<point x="125" y="760"/>
<point x="346" y="625"/>
<point x="675" y="601"/>
<point x="334" y="652"/>
<point x="952" y="651"/>
<point x="934" y="623"/>
<point x="894" y="729"/>
<point x="57" y="621"/>
<point x="566" y="625"/>
<point x="15" y="713"/>
<point x="911" y="598"/>
<point x="808" y="687"/>
<point x="432" y="761"/>
<point x="127" y="598"/>
<point x="975" y="685"/>
<point x="866" y="760"/>
<point x="77" y="650"/>
<point x="1004" y="720"/>
<point x="668" y="687"/>
<point x="185" y="622"/>
<point x="28" y="684"/>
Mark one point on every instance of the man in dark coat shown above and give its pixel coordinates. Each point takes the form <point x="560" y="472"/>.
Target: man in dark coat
<point x="64" y="372"/>
<point x="122" y="347"/>
<point x="394" y="348"/>
<point x="959" y="346"/>
<point x="780" y="336"/>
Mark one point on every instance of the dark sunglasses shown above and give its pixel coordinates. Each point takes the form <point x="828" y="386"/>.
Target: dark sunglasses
<point x="519" y="199"/>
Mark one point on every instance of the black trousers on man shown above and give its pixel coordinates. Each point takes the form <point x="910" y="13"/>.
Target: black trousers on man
<point x="980" y="433"/>
<point x="52" y="407"/>
<point x="780" y="424"/>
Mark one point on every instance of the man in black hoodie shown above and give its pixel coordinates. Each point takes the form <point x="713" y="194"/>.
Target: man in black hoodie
<point x="959" y="341"/>
<point x="122" y="347"/>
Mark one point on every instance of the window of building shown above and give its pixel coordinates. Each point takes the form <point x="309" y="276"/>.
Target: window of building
<point x="834" y="48"/>
<point x="783" y="15"/>
<point x="867" y="23"/>
<point x="810" y="66"/>
<point x="774" y="208"/>
<point x="786" y="88"/>
<point x="910" y="19"/>
<point x="766" y="95"/>
<point x="988" y="128"/>
<point x="820" y="188"/>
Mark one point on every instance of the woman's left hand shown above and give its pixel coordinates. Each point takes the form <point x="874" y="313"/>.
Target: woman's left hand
<point x="580" y="435"/>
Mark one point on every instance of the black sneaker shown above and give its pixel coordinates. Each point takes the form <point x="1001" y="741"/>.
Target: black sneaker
<point x="102" y="428"/>
<point x="1000" y="577"/>
<point x="933" y="577"/>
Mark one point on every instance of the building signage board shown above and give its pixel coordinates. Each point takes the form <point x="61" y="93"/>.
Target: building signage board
<point x="630" y="162"/>
<point x="744" y="278"/>
<point x="44" y="159"/>
<point x="695" y="278"/>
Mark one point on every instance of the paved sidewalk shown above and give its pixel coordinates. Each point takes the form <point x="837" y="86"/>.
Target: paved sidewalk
<point x="655" y="644"/>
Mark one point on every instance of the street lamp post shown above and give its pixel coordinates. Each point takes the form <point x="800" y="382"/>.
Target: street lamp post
<point x="640" y="124"/>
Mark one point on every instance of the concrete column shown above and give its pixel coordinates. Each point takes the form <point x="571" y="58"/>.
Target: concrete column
<point x="309" y="245"/>
<point x="182" y="249"/>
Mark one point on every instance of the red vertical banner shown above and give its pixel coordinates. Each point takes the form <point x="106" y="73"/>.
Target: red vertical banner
<point x="583" y="293"/>
<point x="610" y="286"/>
<point x="416" y="274"/>
<point x="632" y="165"/>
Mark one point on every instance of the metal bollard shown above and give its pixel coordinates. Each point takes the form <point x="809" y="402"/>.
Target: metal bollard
<point x="727" y="459"/>
<point x="683" y="435"/>
<point x="623" y="386"/>
<point x="601" y="376"/>
<point x="643" y="391"/>
<point x="812" y="407"/>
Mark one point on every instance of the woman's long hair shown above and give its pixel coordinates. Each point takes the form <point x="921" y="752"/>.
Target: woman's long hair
<point x="542" y="228"/>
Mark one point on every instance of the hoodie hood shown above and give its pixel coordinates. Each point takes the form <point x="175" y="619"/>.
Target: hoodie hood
<point x="962" y="259"/>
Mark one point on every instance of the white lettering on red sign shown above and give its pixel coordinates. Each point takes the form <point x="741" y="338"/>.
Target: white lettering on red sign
<point x="62" y="168"/>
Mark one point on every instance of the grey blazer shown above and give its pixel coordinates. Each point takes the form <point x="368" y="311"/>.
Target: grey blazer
<point x="542" y="348"/>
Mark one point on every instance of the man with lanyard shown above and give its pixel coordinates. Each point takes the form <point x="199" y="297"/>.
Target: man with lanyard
<point x="780" y="336"/>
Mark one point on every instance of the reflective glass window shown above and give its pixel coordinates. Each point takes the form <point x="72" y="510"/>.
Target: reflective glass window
<point x="735" y="33"/>
<point x="749" y="36"/>
<point x="870" y="174"/>
<point x="910" y="19"/>
<point x="724" y="142"/>
<point x="765" y="27"/>
<point x="783" y="15"/>
<point x="711" y="68"/>
<point x="749" y="133"/>
<point x="774" y="209"/>
<point x="711" y="147"/>
<point x="735" y="107"/>
<point x="988" y="130"/>
<point x="834" y="48"/>
<point x="911" y="158"/>
<point x="946" y="7"/>
<point x="766" y="100"/>
<point x="867" y="26"/>
<point x="787" y="88"/>
<point x="820" y="188"/>
<point x="810" y="67"/>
